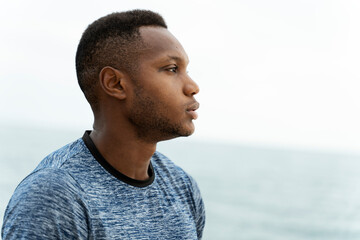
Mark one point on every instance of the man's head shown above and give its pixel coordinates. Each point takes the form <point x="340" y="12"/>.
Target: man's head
<point x="137" y="79"/>
<point x="113" y="40"/>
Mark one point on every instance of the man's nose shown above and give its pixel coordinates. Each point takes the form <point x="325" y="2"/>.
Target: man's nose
<point x="190" y="87"/>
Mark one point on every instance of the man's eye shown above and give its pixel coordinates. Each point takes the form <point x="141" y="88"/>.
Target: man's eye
<point x="173" y="69"/>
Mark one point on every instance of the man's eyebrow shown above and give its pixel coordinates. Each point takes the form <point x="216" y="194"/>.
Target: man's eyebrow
<point x="176" y="58"/>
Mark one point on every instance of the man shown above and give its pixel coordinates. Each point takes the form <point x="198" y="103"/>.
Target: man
<point x="111" y="183"/>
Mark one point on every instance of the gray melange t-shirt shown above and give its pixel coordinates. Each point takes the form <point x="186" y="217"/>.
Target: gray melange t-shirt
<point x="75" y="194"/>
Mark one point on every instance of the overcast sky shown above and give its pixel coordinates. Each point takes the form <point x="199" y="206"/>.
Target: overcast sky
<point x="280" y="72"/>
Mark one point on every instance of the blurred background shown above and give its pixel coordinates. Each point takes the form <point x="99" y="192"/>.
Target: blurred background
<point x="276" y="151"/>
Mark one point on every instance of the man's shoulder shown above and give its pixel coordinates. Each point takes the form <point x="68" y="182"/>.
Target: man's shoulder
<point x="171" y="172"/>
<point x="163" y="163"/>
<point x="46" y="198"/>
<point x="179" y="182"/>
<point x="46" y="182"/>
<point x="52" y="175"/>
<point x="63" y="155"/>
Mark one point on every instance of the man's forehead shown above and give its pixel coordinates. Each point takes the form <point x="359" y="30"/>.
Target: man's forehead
<point x="160" y="43"/>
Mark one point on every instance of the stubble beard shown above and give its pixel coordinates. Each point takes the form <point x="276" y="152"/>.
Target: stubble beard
<point x="151" y="122"/>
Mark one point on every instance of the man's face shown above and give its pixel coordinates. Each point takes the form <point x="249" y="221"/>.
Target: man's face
<point x="162" y="103"/>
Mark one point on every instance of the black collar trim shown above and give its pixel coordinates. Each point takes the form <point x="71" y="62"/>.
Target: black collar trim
<point x="97" y="155"/>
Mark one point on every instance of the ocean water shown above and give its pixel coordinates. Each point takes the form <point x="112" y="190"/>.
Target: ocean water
<point x="249" y="192"/>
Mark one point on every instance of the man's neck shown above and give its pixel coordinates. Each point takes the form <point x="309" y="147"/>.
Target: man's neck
<point x="124" y="151"/>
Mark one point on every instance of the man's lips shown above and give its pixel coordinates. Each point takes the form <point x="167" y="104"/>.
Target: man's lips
<point x="191" y="110"/>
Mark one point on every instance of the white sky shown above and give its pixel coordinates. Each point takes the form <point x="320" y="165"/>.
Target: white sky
<point x="280" y="72"/>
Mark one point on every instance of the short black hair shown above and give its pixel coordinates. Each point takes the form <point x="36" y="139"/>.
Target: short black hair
<point x="113" y="41"/>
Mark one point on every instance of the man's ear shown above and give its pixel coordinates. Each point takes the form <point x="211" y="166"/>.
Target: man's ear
<point x="113" y="82"/>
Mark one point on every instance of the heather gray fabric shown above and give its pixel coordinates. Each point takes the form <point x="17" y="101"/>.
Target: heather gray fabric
<point x="70" y="195"/>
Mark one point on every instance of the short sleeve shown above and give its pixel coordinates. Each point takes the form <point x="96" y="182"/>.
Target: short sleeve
<point x="46" y="205"/>
<point x="199" y="209"/>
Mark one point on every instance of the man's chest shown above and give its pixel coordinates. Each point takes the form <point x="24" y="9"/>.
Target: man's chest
<point x="151" y="214"/>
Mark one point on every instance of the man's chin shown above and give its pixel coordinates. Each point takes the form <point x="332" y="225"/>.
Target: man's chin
<point x="181" y="133"/>
<point x="187" y="130"/>
<point x="187" y="133"/>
